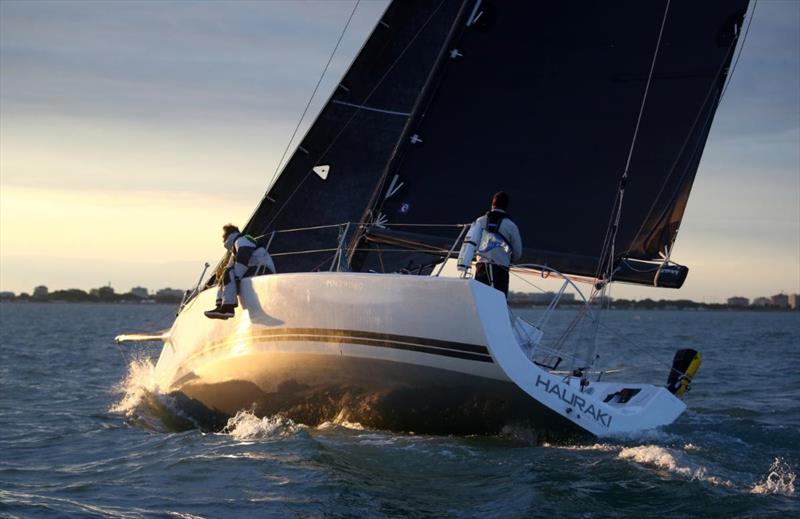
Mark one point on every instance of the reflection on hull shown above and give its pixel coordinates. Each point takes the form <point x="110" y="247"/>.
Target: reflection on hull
<point x="312" y="389"/>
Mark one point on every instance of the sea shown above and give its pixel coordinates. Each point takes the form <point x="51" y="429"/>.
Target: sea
<point x="84" y="433"/>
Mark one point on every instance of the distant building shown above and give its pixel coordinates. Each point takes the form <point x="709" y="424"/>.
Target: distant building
<point x="780" y="300"/>
<point x="104" y="293"/>
<point x="602" y="300"/>
<point x="538" y="298"/>
<point x="7" y="295"/>
<point x="169" y="292"/>
<point x="140" y="292"/>
<point x="40" y="292"/>
<point x="762" y="301"/>
<point x="794" y="301"/>
<point x="738" y="301"/>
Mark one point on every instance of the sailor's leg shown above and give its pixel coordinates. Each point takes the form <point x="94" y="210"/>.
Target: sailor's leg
<point x="500" y="278"/>
<point x="220" y="287"/>
<point x="232" y="277"/>
<point x="227" y="294"/>
<point x="482" y="273"/>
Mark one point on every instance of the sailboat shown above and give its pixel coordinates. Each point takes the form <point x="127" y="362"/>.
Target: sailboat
<point x="592" y="115"/>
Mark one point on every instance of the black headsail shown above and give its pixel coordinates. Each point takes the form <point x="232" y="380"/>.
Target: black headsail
<point x="333" y="172"/>
<point x="541" y="99"/>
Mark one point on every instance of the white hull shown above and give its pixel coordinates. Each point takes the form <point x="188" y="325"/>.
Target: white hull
<point x="410" y="353"/>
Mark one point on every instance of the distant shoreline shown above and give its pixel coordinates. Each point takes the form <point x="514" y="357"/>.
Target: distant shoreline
<point x="625" y="305"/>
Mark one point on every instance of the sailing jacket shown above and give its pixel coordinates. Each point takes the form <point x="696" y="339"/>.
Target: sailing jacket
<point x="245" y="251"/>
<point x="497" y="244"/>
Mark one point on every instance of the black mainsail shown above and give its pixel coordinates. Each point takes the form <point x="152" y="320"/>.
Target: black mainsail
<point x="538" y="99"/>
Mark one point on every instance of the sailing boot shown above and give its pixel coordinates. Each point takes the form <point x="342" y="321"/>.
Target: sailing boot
<point x="222" y="312"/>
<point x="217" y="306"/>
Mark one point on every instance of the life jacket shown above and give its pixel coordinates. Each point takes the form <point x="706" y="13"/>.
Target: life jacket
<point x="247" y="236"/>
<point x="492" y="237"/>
<point x="241" y="254"/>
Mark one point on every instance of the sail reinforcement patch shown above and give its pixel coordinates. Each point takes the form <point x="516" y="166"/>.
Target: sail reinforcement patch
<point x="322" y="171"/>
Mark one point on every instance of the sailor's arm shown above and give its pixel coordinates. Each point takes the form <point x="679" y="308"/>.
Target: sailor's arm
<point x="476" y="231"/>
<point x="516" y="242"/>
<point x="470" y="245"/>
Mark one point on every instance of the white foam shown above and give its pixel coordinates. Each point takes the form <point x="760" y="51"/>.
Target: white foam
<point x="246" y="425"/>
<point x="340" y="421"/>
<point x="597" y="447"/>
<point x="780" y="480"/>
<point x="672" y="461"/>
<point x="140" y="380"/>
<point x="355" y="426"/>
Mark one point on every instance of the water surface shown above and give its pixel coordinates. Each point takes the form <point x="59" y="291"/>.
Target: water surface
<point x="81" y="435"/>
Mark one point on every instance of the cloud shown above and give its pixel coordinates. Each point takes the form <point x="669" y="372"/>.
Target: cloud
<point x="175" y="61"/>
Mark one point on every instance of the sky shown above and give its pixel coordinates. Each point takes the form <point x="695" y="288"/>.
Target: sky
<point x="131" y="131"/>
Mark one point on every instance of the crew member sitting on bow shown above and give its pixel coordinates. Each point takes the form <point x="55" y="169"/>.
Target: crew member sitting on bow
<point x="246" y="258"/>
<point x="499" y="243"/>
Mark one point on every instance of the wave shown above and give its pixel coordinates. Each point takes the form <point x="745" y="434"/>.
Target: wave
<point x="673" y="461"/>
<point x="247" y="426"/>
<point x="341" y="421"/>
<point x="138" y="382"/>
<point x="780" y="480"/>
<point x="597" y="447"/>
<point x="143" y="404"/>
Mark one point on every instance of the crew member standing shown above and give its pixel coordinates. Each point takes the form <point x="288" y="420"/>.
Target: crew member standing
<point x="499" y="244"/>
<point x="246" y="258"/>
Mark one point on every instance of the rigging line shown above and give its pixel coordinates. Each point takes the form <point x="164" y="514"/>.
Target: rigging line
<point x="612" y="230"/>
<point x="646" y="89"/>
<point x="314" y="93"/>
<point x="356" y="111"/>
<point x="335" y="225"/>
<point x="674" y="166"/>
<point x="540" y="289"/>
<point x="560" y="343"/>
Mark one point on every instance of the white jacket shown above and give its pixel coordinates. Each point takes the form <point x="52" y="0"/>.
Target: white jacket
<point x="499" y="250"/>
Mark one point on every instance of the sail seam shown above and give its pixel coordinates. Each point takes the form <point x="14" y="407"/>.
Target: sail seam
<point x="370" y="108"/>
